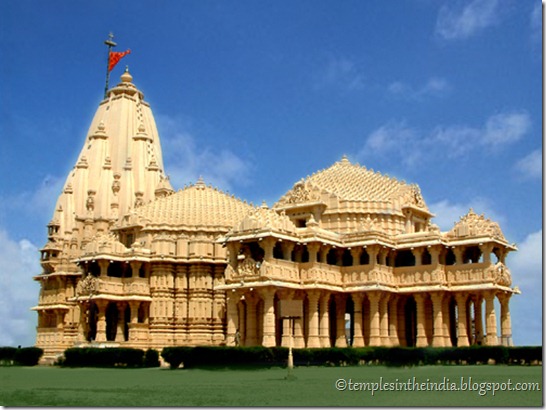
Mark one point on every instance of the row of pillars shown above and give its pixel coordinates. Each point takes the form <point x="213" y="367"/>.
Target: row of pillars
<point x="94" y="318"/>
<point x="421" y="319"/>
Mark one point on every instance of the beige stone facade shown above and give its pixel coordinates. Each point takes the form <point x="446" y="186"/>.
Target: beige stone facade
<point x="130" y="262"/>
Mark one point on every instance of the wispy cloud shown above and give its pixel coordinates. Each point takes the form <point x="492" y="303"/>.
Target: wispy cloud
<point x="434" y="87"/>
<point x="18" y="293"/>
<point x="530" y="166"/>
<point x="506" y="128"/>
<point x="339" y="72"/>
<point x="38" y="203"/>
<point x="393" y="137"/>
<point x="455" y="23"/>
<point x="536" y="22"/>
<point x="407" y="144"/>
<point x="186" y="160"/>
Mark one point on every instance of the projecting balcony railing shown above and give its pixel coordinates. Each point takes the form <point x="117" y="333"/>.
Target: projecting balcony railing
<point x="362" y="275"/>
<point x="123" y="286"/>
<point x="321" y="273"/>
<point x="51" y="297"/>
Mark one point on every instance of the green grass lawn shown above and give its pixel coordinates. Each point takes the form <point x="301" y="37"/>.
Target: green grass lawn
<point x="309" y="386"/>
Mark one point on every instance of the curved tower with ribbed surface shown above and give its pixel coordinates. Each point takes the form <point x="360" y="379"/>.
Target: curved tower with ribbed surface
<point x="120" y="166"/>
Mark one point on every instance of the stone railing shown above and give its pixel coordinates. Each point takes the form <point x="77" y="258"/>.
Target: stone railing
<point x="124" y="286"/>
<point x="419" y="275"/>
<point x="51" y="297"/>
<point x="470" y="274"/>
<point x="278" y="269"/>
<point x="368" y="275"/>
<point x="321" y="273"/>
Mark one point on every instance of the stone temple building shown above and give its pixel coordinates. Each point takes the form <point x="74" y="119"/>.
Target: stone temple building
<point x="348" y="256"/>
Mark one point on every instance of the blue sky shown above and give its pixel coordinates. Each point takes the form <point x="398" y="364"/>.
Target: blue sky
<point x="254" y="95"/>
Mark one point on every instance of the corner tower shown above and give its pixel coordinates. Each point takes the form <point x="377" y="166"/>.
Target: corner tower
<point x="120" y="166"/>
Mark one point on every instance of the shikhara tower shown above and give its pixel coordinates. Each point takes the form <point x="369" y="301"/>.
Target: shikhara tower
<point x="353" y="253"/>
<point x="119" y="168"/>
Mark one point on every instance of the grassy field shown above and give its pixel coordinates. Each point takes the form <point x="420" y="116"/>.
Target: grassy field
<point x="308" y="386"/>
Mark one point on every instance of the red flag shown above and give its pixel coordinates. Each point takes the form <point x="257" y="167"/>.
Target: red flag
<point x="114" y="57"/>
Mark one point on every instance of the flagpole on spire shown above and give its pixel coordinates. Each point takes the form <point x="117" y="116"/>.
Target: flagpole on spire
<point x="110" y="43"/>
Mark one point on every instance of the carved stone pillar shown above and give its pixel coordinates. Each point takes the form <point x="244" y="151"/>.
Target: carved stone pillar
<point x="313" y="338"/>
<point x="358" y="338"/>
<point x="268" y="295"/>
<point x="324" y="322"/>
<point x="418" y="255"/>
<point x="438" y="325"/>
<point x="355" y="253"/>
<point x="103" y="265"/>
<point x="375" y="336"/>
<point x="373" y="251"/>
<point x="251" y="329"/>
<point x="323" y="253"/>
<point x="506" y="323"/>
<point x="478" y="319"/>
<point x="232" y="318"/>
<point x="393" y="321"/>
<point x="268" y="244"/>
<point x="421" y="333"/>
<point x="101" y="321"/>
<point x="446" y="321"/>
<point x="313" y="249"/>
<point x="135" y="268"/>
<point x="287" y="324"/>
<point x="287" y="248"/>
<point x="384" y="320"/>
<point x="383" y="253"/>
<point x="299" y="342"/>
<point x="120" y="329"/>
<point x="490" y="320"/>
<point x="341" y="300"/>
<point x="434" y="252"/>
<point x="486" y="249"/>
<point x="462" y="338"/>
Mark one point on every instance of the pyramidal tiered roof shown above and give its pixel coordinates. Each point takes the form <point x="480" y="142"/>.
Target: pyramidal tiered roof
<point x="196" y="205"/>
<point x="353" y="182"/>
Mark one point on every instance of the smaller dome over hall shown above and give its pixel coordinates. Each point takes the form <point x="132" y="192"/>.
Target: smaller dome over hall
<point x="196" y="206"/>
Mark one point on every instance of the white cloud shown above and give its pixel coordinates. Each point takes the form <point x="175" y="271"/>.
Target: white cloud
<point x="393" y="138"/>
<point x="506" y="128"/>
<point x="448" y="213"/>
<point x="531" y="165"/>
<point x="186" y="161"/>
<point x="339" y="73"/>
<point x="460" y="23"/>
<point x="435" y="86"/>
<point x="456" y="139"/>
<point x="407" y="144"/>
<point x="18" y="293"/>
<point x="526" y="309"/>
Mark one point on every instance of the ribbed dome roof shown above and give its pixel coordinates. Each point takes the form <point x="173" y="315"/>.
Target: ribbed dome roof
<point x="198" y="205"/>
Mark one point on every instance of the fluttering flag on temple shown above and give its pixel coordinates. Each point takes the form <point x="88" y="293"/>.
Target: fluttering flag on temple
<point x="114" y="57"/>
